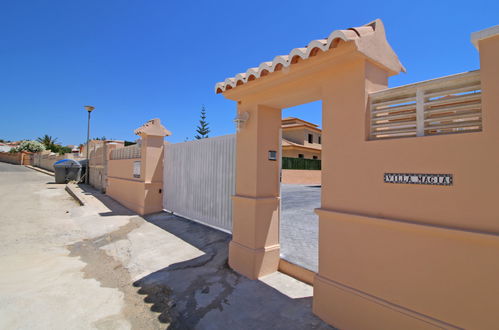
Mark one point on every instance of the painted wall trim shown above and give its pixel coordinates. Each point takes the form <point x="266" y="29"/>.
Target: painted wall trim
<point x="494" y="235"/>
<point x="387" y="304"/>
<point x="298" y="272"/>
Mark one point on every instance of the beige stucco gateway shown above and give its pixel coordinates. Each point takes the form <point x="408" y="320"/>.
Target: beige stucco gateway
<point x="391" y="256"/>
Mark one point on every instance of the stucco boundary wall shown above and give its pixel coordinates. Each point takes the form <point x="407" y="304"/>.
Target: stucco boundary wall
<point x="46" y="160"/>
<point x="410" y="256"/>
<point x="310" y="177"/>
<point x="393" y="254"/>
<point x="137" y="182"/>
<point x="18" y="158"/>
<point x="99" y="157"/>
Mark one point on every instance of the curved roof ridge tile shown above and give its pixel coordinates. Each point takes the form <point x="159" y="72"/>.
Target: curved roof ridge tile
<point x="316" y="44"/>
<point x="352" y="34"/>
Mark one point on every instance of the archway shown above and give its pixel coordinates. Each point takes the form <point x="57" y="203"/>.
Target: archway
<point x="340" y="71"/>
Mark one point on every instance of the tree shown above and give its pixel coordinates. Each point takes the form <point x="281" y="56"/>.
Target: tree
<point x="51" y="144"/>
<point x="47" y="141"/>
<point x="59" y="149"/>
<point x="202" y="129"/>
<point x="31" y="146"/>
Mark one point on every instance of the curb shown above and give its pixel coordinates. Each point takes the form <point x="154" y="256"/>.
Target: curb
<point x="298" y="272"/>
<point x="39" y="170"/>
<point x="70" y="188"/>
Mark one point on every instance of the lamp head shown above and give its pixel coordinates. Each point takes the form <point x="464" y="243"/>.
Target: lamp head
<point x="89" y="108"/>
<point x="241" y="119"/>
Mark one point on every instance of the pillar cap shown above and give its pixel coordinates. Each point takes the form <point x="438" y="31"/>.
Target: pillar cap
<point x="152" y="127"/>
<point x="484" y="34"/>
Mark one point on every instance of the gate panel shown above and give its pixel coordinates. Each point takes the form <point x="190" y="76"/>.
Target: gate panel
<point x="199" y="180"/>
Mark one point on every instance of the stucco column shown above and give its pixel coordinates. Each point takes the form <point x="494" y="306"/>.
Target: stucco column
<point x="344" y="106"/>
<point x="254" y="249"/>
<point x="487" y="43"/>
<point x="152" y="136"/>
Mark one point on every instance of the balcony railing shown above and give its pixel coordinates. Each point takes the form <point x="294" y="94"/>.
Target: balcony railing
<point x="451" y="104"/>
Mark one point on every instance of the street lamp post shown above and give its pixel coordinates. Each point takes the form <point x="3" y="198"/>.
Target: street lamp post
<point x="89" y="108"/>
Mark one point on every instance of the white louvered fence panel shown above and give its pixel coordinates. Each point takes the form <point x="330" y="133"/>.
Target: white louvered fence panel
<point x="199" y="180"/>
<point x="440" y="106"/>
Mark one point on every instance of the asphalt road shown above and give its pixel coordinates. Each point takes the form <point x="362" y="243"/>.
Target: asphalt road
<point x="100" y="266"/>
<point x="44" y="282"/>
<point x="299" y="227"/>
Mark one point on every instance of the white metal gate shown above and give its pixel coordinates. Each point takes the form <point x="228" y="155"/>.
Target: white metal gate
<point x="199" y="180"/>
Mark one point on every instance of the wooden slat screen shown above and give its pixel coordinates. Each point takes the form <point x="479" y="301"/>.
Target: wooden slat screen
<point x="441" y="106"/>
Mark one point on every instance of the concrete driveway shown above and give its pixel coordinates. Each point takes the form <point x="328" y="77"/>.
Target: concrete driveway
<point x="100" y="266"/>
<point x="299" y="227"/>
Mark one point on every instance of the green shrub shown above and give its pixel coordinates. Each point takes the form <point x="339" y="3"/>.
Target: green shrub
<point x="30" y="146"/>
<point x="289" y="163"/>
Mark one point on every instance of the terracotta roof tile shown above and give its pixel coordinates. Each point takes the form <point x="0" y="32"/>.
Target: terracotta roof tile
<point x="303" y="53"/>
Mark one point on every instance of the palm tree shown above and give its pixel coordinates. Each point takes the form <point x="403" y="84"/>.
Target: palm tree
<point x="47" y="141"/>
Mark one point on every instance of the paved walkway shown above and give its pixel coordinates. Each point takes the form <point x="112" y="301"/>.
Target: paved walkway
<point x="101" y="266"/>
<point x="299" y="228"/>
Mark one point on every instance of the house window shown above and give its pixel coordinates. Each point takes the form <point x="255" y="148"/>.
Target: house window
<point x="310" y="138"/>
<point x="319" y="140"/>
<point x="300" y="156"/>
<point x="315" y="157"/>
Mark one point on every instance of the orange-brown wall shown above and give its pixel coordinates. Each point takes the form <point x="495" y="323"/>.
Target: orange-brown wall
<point x="143" y="194"/>
<point x="301" y="177"/>
<point x="19" y="158"/>
<point x="391" y="256"/>
<point x="254" y="249"/>
<point x="134" y="193"/>
<point x="123" y="187"/>
<point x="428" y="252"/>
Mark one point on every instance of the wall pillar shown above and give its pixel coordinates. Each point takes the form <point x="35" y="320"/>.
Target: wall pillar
<point x="344" y="106"/>
<point x="487" y="43"/>
<point x="151" y="171"/>
<point x="106" y="156"/>
<point x="143" y="194"/>
<point x="254" y="250"/>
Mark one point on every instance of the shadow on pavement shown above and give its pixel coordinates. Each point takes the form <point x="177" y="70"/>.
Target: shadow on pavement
<point x="204" y="293"/>
<point x="114" y="207"/>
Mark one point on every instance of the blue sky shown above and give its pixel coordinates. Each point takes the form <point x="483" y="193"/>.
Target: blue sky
<point x="137" y="60"/>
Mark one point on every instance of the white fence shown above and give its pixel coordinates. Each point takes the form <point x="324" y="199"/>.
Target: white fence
<point x="199" y="180"/>
<point x="444" y="105"/>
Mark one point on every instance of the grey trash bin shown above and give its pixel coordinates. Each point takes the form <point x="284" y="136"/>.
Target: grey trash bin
<point x="67" y="170"/>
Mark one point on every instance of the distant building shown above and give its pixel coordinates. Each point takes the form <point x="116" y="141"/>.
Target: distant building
<point x="4" y="147"/>
<point x="300" y="139"/>
<point x="96" y="144"/>
<point x="74" y="148"/>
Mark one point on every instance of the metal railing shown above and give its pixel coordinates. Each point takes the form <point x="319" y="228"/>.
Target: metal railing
<point x="444" y="105"/>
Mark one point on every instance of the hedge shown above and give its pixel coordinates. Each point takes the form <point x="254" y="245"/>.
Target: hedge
<point x="289" y="163"/>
